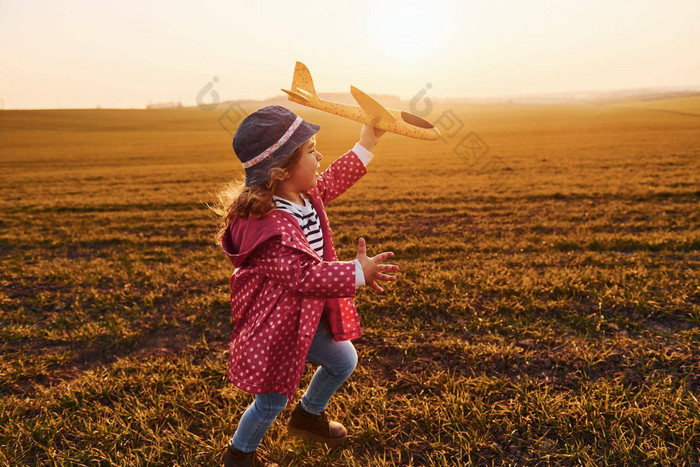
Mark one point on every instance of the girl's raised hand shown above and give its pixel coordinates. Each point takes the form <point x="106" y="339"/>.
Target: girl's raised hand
<point x="372" y="268"/>
<point x="369" y="136"/>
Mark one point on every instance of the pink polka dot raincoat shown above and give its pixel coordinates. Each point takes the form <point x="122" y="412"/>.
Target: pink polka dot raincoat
<point x="281" y="288"/>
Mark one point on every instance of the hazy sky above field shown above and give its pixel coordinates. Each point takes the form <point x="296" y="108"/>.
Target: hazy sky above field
<point x="130" y="53"/>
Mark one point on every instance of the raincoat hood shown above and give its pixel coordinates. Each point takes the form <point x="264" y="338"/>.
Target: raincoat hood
<point x="243" y="237"/>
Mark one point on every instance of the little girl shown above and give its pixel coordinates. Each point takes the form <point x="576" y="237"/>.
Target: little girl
<point x="291" y="299"/>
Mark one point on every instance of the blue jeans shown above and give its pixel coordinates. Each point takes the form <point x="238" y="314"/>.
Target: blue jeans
<point x="337" y="361"/>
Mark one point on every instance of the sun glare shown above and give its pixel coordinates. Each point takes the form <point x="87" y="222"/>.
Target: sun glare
<point x="408" y="29"/>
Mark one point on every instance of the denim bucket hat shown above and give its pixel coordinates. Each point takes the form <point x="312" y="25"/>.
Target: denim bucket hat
<point x="266" y="138"/>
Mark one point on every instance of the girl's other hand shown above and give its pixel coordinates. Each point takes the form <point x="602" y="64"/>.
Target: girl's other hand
<point x="369" y="136"/>
<point x="372" y="268"/>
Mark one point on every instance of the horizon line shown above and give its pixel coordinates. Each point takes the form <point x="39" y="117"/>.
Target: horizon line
<point x="669" y="89"/>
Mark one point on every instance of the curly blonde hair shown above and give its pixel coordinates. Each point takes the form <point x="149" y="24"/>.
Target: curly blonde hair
<point x="249" y="202"/>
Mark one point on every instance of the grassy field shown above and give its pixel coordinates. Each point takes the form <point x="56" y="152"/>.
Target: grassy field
<point x="547" y="311"/>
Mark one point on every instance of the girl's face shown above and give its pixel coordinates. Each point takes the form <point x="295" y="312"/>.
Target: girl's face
<point x="303" y="175"/>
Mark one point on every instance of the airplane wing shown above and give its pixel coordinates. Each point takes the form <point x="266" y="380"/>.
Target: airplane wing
<point x="371" y="106"/>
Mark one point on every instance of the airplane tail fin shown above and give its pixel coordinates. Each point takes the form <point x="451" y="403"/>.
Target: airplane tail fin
<point x="302" y="86"/>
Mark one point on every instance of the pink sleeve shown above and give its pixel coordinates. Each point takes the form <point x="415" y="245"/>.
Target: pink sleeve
<point x="339" y="176"/>
<point x="299" y="273"/>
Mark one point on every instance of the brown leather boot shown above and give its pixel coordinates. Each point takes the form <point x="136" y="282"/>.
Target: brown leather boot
<point x="316" y="427"/>
<point x="235" y="458"/>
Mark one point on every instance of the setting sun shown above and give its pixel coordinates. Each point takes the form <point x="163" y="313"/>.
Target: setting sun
<point x="405" y="30"/>
<point x="478" y="49"/>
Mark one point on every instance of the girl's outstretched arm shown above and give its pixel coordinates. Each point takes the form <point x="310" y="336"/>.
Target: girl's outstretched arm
<point x="297" y="272"/>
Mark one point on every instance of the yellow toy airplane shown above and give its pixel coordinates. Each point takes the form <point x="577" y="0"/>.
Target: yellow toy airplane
<point x="394" y="121"/>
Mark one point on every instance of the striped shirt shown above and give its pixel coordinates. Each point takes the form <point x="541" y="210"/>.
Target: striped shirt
<point x="308" y="221"/>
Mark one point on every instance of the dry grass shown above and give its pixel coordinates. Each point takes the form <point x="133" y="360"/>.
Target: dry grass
<point x="547" y="310"/>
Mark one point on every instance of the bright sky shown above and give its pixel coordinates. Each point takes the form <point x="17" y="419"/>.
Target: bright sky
<point x="128" y="53"/>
